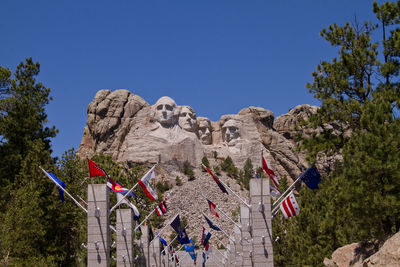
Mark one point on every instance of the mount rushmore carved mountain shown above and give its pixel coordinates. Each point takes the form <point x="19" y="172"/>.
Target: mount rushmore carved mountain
<point x="124" y="125"/>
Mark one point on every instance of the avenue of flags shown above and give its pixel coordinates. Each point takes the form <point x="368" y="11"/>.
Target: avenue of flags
<point x="286" y="202"/>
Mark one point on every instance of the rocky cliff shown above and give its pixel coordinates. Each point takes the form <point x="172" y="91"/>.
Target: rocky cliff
<point x="376" y="253"/>
<point x="127" y="127"/>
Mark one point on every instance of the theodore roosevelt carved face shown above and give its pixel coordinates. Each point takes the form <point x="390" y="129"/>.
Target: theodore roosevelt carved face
<point x="165" y="111"/>
<point x="205" y="130"/>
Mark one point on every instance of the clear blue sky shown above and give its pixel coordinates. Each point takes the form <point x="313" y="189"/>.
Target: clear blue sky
<point x="217" y="56"/>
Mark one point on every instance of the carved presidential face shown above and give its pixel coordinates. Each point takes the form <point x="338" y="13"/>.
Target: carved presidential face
<point x="230" y="130"/>
<point x="205" y="131"/>
<point x="187" y="119"/>
<point x="165" y="109"/>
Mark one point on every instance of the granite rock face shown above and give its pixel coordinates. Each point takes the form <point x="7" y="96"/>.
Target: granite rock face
<point x="132" y="131"/>
<point x="125" y="126"/>
<point x="371" y="254"/>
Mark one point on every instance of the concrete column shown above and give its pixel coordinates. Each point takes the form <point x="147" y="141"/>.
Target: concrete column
<point x="261" y="222"/>
<point x="246" y="236"/>
<point x="144" y="240"/>
<point x="124" y="237"/>
<point x="98" y="230"/>
<point x="154" y="249"/>
<point x="141" y="260"/>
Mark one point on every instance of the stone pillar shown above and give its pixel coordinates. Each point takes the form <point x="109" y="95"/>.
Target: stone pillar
<point x="246" y="241"/>
<point x="144" y="241"/>
<point x="238" y="248"/>
<point x="124" y="237"/>
<point x="261" y="222"/>
<point x="98" y="229"/>
<point x="141" y="260"/>
<point x="154" y="248"/>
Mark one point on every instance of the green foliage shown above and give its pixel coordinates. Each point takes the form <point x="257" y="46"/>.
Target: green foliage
<point x="247" y="173"/>
<point x="217" y="170"/>
<point x="37" y="229"/>
<point x="236" y="213"/>
<point x="178" y="181"/>
<point x="229" y="167"/>
<point x="206" y="163"/>
<point x="163" y="186"/>
<point x="188" y="170"/>
<point x="215" y="154"/>
<point x="358" y="199"/>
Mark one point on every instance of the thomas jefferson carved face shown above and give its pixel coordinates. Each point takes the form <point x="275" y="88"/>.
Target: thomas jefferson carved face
<point x="230" y="130"/>
<point x="187" y="119"/>
<point x="166" y="111"/>
<point x="205" y="131"/>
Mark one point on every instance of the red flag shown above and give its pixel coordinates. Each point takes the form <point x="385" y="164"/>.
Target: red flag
<point x="212" y="208"/>
<point x="216" y="179"/>
<point x="289" y="206"/>
<point x="270" y="172"/>
<point x="95" y="170"/>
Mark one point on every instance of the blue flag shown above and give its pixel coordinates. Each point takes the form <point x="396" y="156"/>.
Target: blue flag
<point x="182" y="236"/>
<point x="58" y="181"/>
<point x="311" y="178"/>
<point x="211" y="224"/>
<point x="204" y="259"/>
<point x="190" y="249"/>
<point x="163" y="241"/>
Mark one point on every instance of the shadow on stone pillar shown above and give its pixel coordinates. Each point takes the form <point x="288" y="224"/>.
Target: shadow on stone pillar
<point x="125" y="237"/>
<point x="261" y="223"/>
<point x="98" y="230"/>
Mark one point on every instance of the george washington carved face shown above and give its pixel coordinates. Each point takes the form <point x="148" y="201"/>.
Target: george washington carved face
<point x="165" y="111"/>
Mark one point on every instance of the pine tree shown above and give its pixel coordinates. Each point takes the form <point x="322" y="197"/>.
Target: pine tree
<point x="25" y="145"/>
<point x="358" y="199"/>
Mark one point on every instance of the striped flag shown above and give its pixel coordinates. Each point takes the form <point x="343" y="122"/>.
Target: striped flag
<point x="289" y="206"/>
<point x="117" y="188"/>
<point x="270" y="172"/>
<point x="161" y="208"/>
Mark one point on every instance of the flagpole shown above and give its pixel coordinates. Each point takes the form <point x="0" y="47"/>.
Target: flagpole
<point x="65" y="191"/>
<point x="236" y="195"/>
<point x="169" y="244"/>
<point x="145" y="219"/>
<point x="290" y="187"/>
<point x="287" y="190"/>
<point x="130" y="190"/>
<point x="221" y="230"/>
<point x="224" y="247"/>
<point x="81" y="199"/>
<point x="162" y="229"/>
<point x="276" y="207"/>
<point x="240" y="227"/>
<point x="220" y="252"/>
